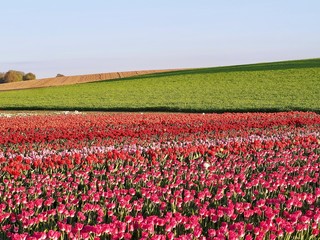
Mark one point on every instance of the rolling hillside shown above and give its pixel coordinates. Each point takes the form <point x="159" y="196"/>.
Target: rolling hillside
<point x="69" y="80"/>
<point x="277" y="86"/>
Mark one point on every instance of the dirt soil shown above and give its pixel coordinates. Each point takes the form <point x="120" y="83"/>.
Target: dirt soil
<point x="68" y="80"/>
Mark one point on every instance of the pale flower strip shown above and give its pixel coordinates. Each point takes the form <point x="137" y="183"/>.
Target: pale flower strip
<point x="85" y="151"/>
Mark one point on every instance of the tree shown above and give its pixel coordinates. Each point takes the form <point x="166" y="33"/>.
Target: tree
<point x="13" y="76"/>
<point x="60" y="75"/>
<point x="1" y="76"/>
<point x="29" y="76"/>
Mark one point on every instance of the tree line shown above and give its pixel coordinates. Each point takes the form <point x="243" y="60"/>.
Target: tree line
<point x="16" y="76"/>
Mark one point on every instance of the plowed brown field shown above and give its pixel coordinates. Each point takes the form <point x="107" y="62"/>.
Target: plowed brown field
<point x="68" y="80"/>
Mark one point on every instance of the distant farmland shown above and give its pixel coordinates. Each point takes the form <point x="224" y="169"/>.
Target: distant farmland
<point x="69" y="80"/>
<point x="278" y="86"/>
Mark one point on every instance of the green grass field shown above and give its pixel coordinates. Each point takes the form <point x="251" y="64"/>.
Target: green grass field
<point x="278" y="86"/>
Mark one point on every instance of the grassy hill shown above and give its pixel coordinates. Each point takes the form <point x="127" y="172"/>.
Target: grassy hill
<point x="277" y="86"/>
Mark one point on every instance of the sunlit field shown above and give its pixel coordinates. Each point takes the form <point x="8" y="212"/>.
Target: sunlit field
<point x="268" y="87"/>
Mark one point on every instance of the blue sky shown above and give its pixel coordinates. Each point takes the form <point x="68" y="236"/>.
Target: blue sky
<point x="79" y="36"/>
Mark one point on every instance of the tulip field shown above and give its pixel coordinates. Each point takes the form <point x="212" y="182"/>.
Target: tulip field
<point x="160" y="176"/>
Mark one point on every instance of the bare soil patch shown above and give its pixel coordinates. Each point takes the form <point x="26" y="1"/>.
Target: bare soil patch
<point x="68" y="80"/>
